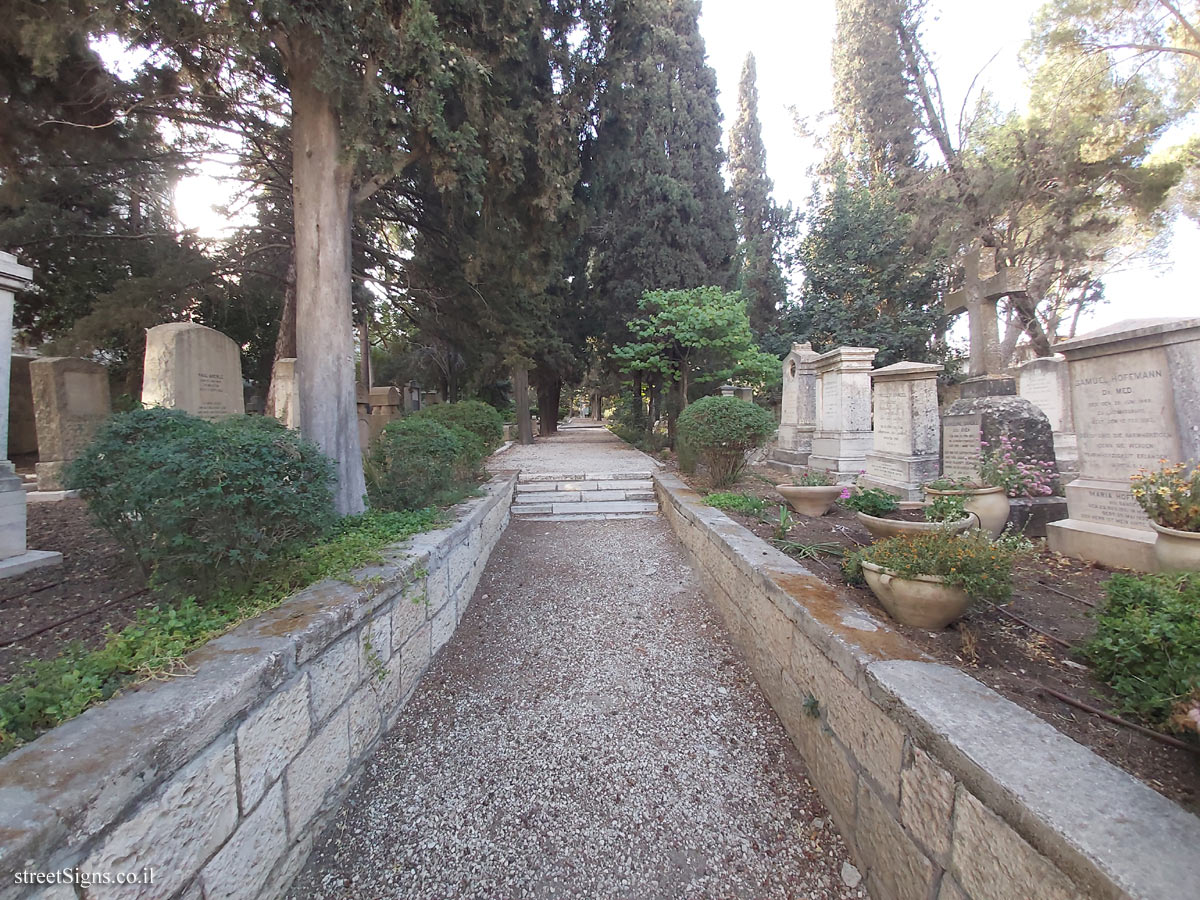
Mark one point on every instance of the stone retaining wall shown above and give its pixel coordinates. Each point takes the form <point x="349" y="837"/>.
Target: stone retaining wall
<point x="943" y="789"/>
<point x="220" y="781"/>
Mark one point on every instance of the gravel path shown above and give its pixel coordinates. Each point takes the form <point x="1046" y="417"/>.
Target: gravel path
<point x="588" y="732"/>
<point x="576" y="449"/>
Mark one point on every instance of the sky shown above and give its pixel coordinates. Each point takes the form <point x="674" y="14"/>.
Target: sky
<point x="792" y="42"/>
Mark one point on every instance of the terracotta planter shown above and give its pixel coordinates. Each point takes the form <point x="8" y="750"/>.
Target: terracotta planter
<point x="990" y="504"/>
<point x="923" y="601"/>
<point x="1176" y="551"/>
<point x="810" y="500"/>
<point x="881" y="528"/>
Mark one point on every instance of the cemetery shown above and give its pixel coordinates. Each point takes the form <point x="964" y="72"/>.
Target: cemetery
<point x="440" y="461"/>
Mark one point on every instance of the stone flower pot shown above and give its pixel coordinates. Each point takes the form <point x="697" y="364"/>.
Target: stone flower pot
<point x="923" y="601"/>
<point x="810" y="500"/>
<point x="990" y="504"/>
<point x="881" y="528"/>
<point x="1176" y="551"/>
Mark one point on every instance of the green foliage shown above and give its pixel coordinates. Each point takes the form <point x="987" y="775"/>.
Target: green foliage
<point x="946" y="508"/>
<point x="50" y="692"/>
<point x="782" y="522"/>
<point x="648" y="442"/>
<point x="797" y="550"/>
<point x="477" y="417"/>
<point x="970" y="561"/>
<point x="203" y="504"/>
<point x="1170" y="496"/>
<point x="721" y="430"/>
<point x="743" y="503"/>
<point x="417" y="462"/>
<point x="1147" y="643"/>
<point x="872" y="502"/>
<point x="813" y="478"/>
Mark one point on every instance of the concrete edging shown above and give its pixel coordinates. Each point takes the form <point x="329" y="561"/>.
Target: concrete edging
<point x="943" y="789"/>
<point x="220" y="781"/>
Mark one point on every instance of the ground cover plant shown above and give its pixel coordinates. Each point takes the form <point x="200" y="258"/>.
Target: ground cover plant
<point x="746" y="503"/>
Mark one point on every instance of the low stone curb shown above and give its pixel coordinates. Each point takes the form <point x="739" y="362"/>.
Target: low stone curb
<point x="943" y="789"/>
<point x="220" y="781"/>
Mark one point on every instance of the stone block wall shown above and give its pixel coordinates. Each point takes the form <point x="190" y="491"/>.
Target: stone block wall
<point x="219" y="782"/>
<point x="943" y="789"/>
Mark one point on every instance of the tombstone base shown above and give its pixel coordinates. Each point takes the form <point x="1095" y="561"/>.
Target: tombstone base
<point x="1032" y="514"/>
<point x="51" y="476"/>
<point x="28" y="561"/>
<point x="1112" y="545"/>
<point x="901" y="476"/>
<point x="797" y="459"/>
<point x="842" y="454"/>
<point x="988" y="386"/>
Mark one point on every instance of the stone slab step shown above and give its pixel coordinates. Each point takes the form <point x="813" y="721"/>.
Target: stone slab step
<point x="546" y="487"/>
<point x="581" y="507"/>
<point x="577" y="476"/>
<point x="589" y="517"/>
<point x="543" y="497"/>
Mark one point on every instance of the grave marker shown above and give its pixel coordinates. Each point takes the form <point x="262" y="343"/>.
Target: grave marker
<point x="70" y="401"/>
<point x="905" y="438"/>
<point x="193" y="368"/>
<point x="1044" y="383"/>
<point x="798" y="412"/>
<point x="843" y="434"/>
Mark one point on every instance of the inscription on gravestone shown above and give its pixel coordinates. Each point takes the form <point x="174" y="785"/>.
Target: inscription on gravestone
<point x="961" y="447"/>
<point x="893" y="423"/>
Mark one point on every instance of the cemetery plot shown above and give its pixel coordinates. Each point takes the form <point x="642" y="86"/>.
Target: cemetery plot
<point x="1051" y="594"/>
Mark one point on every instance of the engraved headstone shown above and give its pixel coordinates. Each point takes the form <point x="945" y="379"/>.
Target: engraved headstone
<point x="70" y="401"/>
<point x="193" y="368"/>
<point x="798" y="413"/>
<point x="905" y="426"/>
<point x="1044" y="383"/>
<point x="843" y="434"/>
<point x="962" y="445"/>
<point x="1135" y="401"/>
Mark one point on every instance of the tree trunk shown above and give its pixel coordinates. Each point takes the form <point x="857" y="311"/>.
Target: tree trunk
<point x="655" y="401"/>
<point x="549" y="390"/>
<point x="639" y="410"/>
<point x="520" y="380"/>
<point x="364" y="350"/>
<point x="321" y="184"/>
<point x="597" y="406"/>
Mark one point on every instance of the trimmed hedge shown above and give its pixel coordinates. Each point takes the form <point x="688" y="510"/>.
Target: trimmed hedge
<point x="720" y="431"/>
<point x="418" y="462"/>
<point x="477" y="417"/>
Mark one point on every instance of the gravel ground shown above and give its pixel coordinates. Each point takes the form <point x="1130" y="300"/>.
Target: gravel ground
<point x="588" y="732"/>
<point x="575" y="450"/>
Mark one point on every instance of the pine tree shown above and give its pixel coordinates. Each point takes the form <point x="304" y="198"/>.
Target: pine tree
<point x="759" y="221"/>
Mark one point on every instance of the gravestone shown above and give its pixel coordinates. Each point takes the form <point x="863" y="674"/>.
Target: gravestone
<point x="22" y="428"/>
<point x="843" y="434"/>
<point x="70" y="401"/>
<point x="285" y="394"/>
<point x="386" y="404"/>
<point x="15" y="556"/>
<point x="412" y="397"/>
<point x="1044" y="383"/>
<point x="984" y="285"/>
<point x="193" y="368"/>
<point x="1135" y="400"/>
<point x="905" y="429"/>
<point x="798" y="412"/>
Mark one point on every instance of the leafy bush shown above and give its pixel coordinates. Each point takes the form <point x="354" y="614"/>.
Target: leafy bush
<point x="648" y="442"/>
<point x="971" y="561"/>
<point x="745" y="503"/>
<point x="49" y="692"/>
<point x="1147" y="644"/>
<point x="946" y="508"/>
<point x="721" y="430"/>
<point x="477" y="417"/>
<point x="872" y="502"/>
<point x="418" y="462"/>
<point x="1009" y="466"/>
<point x="1170" y="496"/>
<point x="201" y="504"/>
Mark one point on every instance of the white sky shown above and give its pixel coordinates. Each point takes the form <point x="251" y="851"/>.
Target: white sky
<point x="792" y="42"/>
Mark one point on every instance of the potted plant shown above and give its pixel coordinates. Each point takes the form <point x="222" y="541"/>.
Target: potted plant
<point x="1171" y="498"/>
<point x="989" y="502"/>
<point x="928" y="580"/>
<point x="882" y="514"/>
<point x="811" y="494"/>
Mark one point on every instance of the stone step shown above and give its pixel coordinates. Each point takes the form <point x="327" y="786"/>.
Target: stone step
<point x="588" y="517"/>
<point x="583" y="507"/>
<point x="546" y="487"/>
<point x="543" y="497"/>
<point x="526" y="477"/>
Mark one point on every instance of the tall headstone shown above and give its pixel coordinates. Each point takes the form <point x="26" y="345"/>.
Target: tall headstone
<point x="70" y="401"/>
<point x="1135" y="399"/>
<point x="1045" y="384"/>
<point x="905" y="429"/>
<point x="22" y="428"/>
<point x="843" y="434"/>
<point x="193" y="368"/>
<point x="412" y="397"/>
<point x="386" y="405"/>
<point x="285" y="394"/>
<point x="798" y="412"/>
<point x="15" y="556"/>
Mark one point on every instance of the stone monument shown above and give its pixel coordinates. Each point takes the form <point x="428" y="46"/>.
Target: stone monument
<point x="798" y="412"/>
<point x="22" y="429"/>
<point x="386" y="405"/>
<point x="1044" y="383"/>
<point x="15" y="557"/>
<point x="193" y="368"/>
<point x="905" y="429"/>
<point x="1135" y="399"/>
<point x="843" y="435"/>
<point x="285" y="394"/>
<point x="362" y="399"/>
<point x="70" y="401"/>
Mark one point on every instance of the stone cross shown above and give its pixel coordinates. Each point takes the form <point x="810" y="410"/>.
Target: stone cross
<point x="983" y="287"/>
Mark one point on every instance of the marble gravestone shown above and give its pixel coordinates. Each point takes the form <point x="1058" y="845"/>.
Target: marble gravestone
<point x="1044" y="383"/>
<point x="843" y="434"/>
<point x="193" y="368"/>
<point x="284" y="399"/>
<point x="1135" y="401"/>
<point x="70" y="401"/>
<point x="905" y="445"/>
<point x="15" y="556"/>
<point x="798" y="412"/>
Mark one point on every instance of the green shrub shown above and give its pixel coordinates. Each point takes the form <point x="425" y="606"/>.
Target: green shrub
<point x="872" y="502"/>
<point x="418" y="462"/>
<point x="477" y="417"/>
<point x="946" y="508"/>
<point x="745" y="503"/>
<point x="970" y="561"/>
<point x="721" y="430"/>
<point x="1147" y="643"/>
<point x="202" y="504"/>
